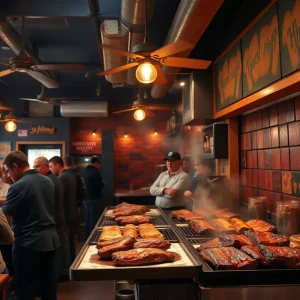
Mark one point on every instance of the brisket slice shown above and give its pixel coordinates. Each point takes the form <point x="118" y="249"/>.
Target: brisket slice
<point x="109" y="242"/>
<point x="222" y="226"/>
<point x="136" y="219"/>
<point x="253" y="252"/>
<point x="183" y="215"/>
<point x="228" y="258"/>
<point x="239" y="225"/>
<point x="152" y="243"/>
<point x="268" y="238"/>
<point x="235" y="240"/>
<point x="142" y="256"/>
<point x="201" y="226"/>
<point x="110" y="232"/>
<point x="225" y="215"/>
<point x="260" y="225"/>
<point x="125" y="244"/>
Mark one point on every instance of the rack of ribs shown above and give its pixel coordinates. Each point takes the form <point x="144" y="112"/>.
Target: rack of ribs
<point x="201" y="226"/>
<point x="214" y="243"/>
<point x="130" y="230"/>
<point x="152" y="243"/>
<point x="136" y="219"/>
<point x="183" y="215"/>
<point x="125" y="205"/>
<point x="123" y="244"/>
<point x="253" y="252"/>
<point x="142" y="256"/>
<point x="225" y="215"/>
<point x="228" y="258"/>
<point x="268" y="238"/>
<point x="222" y="226"/>
<point x="203" y="214"/>
<point x="149" y="231"/>
<point x="260" y="225"/>
<point x="235" y="240"/>
<point x="239" y="225"/>
<point x="128" y="212"/>
<point x="110" y="232"/>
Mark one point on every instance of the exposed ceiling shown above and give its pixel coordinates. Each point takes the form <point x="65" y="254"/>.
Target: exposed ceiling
<point x="63" y="31"/>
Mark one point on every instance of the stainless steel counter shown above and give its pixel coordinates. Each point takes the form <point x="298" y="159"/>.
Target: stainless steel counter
<point x="132" y="193"/>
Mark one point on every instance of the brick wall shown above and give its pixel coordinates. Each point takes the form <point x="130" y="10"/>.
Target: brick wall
<point x="270" y="153"/>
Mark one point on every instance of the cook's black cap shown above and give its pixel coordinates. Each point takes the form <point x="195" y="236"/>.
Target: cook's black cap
<point x="172" y="156"/>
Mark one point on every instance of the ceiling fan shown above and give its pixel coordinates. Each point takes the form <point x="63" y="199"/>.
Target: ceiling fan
<point x="146" y="55"/>
<point x="25" y="64"/>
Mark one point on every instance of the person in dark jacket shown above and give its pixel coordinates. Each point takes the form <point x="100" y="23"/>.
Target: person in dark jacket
<point x="41" y="164"/>
<point x="31" y="204"/>
<point x="92" y="202"/>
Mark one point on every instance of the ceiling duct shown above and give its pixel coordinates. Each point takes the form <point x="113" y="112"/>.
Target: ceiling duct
<point x="84" y="109"/>
<point x="190" y="22"/>
<point x="114" y="35"/>
<point x="13" y="40"/>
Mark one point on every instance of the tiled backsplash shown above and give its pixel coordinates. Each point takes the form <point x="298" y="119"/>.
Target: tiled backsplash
<point x="270" y="153"/>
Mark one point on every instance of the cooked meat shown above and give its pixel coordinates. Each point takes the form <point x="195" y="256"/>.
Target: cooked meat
<point x="125" y="244"/>
<point x="228" y="258"/>
<point x="253" y="252"/>
<point x="268" y="238"/>
<point x="225" y="215"/>
<point x="125" y="205"/>
<point x="149" y="231"/>
<point x="281" y="256"/>
<point x="239" y="225"/>
<point x="136" y="219"/>
<point x="130" y="230"/>
<point x="128" y="212"/>
<point x="142" y="256"/>
<point x="201" y="226"/>
<point x="152" y="243"/>
<point x="222" y="226"/>
<point x="183" y="215"/>
<point x="107" y="243"/>
<point x="203" y="214"/>
<point x="220" y="211"/>
<point x="235" y="240"/>
<point x="110" y="232"/>
<point x="214" y="243"/>
<point x="260" y="225"/>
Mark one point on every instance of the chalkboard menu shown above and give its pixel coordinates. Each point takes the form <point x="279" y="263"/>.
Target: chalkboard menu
<point x="261" y="58"/>
<point x="228" y="72"/>
<point x="289" y="20"/>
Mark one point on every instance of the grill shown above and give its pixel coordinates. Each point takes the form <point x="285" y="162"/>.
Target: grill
<point x="176" y="221"/>
<point x="199" y="241"/>
<point x="189" y="232"/>
<point x="167" y="233"/>
<point x="156" y="220"/>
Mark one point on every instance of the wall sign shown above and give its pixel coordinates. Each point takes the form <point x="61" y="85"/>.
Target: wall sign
<point x="22" y="132"/>
<point x="85" y="147"/>
<point x="41" y="129"/>
<point x="289" y="20"/>
<point x="229" y="77"/>
<point x="261" y="61"/>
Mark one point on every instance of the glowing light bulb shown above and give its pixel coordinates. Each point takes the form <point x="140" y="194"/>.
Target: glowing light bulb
<point x="182" y="83"/>
<point x="10" y="126"/>
<point x="125" y="135"/>
<point x="146" y="73"/>
<point x="155" y="133"/>
<point x="139" y="115"/>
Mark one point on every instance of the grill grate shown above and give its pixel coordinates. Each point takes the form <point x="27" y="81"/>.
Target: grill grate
<point x="189" y="232"/>
<point x="198" y="241"/>
<point x="167" y="233"/>
<point x="155" y="220"/>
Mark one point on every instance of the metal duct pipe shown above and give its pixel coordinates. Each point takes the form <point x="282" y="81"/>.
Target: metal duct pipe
<point x="13" y="40"/>
<point x="189" y="24"/>
<point x="84" y="109"/>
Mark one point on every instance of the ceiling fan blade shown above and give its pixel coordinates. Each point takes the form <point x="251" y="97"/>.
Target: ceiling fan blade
<point x="4" y="64"/>
<point x="58" y="67"/>
<point x="186" y="63"/>
<point x="124" y="110"/>
<point x="118" y="69"/>
<point x="172" y="49"/>
<point x="30" y="99"/>
<point x="161" y="78"/>
<point x="121" y="52"/>
<point x="6" y="72"/>
<point x="44" y="79"/>
<point x="3" y="107"/>
<point x="156" y="107"/>
<point x="21" y="121"/>
<point x="149" y="113"/>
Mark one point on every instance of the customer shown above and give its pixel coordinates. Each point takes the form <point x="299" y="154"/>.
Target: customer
<point x="56" y="166"/>
<point x="41" y="165"/>
<point x="187" y="166"/>
<point x="31" y="204"/>
<point x="93" y="204"/>
<point x="3" y="186"/>
<point x="171" y="184"/>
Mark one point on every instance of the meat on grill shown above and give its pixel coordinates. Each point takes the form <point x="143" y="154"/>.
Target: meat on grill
<point x="239" y="225"/>
<point x="130" y="230"/>
<point x="201" y="226"/>
<point x="183" y="215"/>
<point x="214" y="243"/>
<point x="136" y="219"/>
<point x="125" y="205"/>
<point x="107" y="243"/>
<point x="222" y="226"/>
<point x="148" y="230"/>
<point x="225" y="215"/>
<point x="110" y="232"/>
<point x="253" y="252"/>
<point x="203" y="214"/>
<point x="260" y="225"/>
<point x="228" y="258"/>
<point x="152" y="243"/>
<point x="268" y="238"/>
<point x="128" y="212"/>
<point x="281" y="256"/>
<point x="142" y="256"/>
<point x="235" y="240"/>
<point x="125" y="244"/>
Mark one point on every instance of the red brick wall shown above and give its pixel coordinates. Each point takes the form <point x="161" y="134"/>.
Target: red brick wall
<point x="270" y="153"/>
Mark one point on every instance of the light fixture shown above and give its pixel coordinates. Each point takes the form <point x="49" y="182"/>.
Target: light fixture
<point x="139" y="115"/>
<point x="10" y="126"/>
<point x="182" y="83"/>
<point x="146" y="73"/>
<point x="125" y="135"/>
<point x="155" y="132"/>
<point x="189" y="127"/>
<point x="94" y="131"/>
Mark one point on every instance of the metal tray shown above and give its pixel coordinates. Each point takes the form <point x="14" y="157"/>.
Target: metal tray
<point x="168" y="234"/>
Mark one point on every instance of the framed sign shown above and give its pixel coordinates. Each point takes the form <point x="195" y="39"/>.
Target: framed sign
<point x="5" y="148"/>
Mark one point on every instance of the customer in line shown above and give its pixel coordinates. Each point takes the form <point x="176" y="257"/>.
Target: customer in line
<point x="31" y="204"/>
<point x="171" y="184"/>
